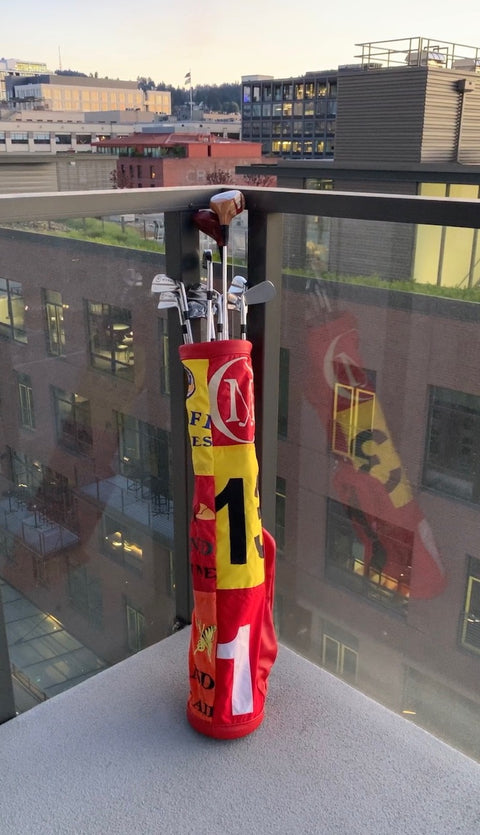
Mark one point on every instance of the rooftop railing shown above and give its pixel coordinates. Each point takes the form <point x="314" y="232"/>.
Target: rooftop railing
<point x="368" y="435"/>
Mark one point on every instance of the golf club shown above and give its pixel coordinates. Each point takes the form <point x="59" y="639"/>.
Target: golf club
<point x="226" y="206"/>
<point x="207" y="222"/>
<point x="172" y="293"/>
<point x="208" y="262"/>
<point x="239" y="298"/>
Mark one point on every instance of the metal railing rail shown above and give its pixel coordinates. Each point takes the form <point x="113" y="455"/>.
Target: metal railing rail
<point x="397" y="208"/>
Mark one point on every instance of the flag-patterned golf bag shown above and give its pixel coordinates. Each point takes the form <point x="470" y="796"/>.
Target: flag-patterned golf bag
<point x="233" y="643"/>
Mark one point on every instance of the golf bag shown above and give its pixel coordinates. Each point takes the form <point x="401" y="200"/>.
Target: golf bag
<point x="233" y="644"/>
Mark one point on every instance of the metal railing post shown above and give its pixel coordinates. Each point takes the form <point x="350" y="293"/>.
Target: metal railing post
<point x="182" y="262"/>
<point x="7" y="703"/>
<point x="265" y="256"/>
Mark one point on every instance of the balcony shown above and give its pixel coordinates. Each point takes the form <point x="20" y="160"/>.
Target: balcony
<point x="368" y="437"/>
<point x="115" y="754"/>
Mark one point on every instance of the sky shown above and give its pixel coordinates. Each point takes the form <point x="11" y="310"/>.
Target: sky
<point x="219" y="41"/>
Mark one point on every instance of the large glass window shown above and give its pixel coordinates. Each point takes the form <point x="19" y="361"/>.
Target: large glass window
<point x="25" y="395"/>
<point x="283" y="391"/>
<point x="55" y="324"/>
<point x="73" y="421"/>
<point x="123" y="543"/>
<point x="280" y="508"/>
<point x="368" y="555"/>
<point x="85" y="593"/>
<point x="12" y="310"/>
<point x="470" y="627"/>
<point x="145" y="457"/>
<point x="164" y="356"/>
<point x="453" y="444"/>
<point x="136" y="628"/>
<point x="111" y="339"/>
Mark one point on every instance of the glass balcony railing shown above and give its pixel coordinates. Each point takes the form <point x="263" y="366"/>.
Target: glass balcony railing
<point x="368" y="434"/>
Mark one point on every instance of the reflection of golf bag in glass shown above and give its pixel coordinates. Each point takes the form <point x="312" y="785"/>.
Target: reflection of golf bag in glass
<point x="369" y="477"/>
<point x="233" y="644"/>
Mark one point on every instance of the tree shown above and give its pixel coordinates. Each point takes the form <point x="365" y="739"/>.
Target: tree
<point x="220" y="176"/>
<point x="120" y="179"/>
<point x="265" y="180"/>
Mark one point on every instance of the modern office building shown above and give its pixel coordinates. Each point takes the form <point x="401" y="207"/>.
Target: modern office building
<point x="411" y="100"/>
<point x="291" y="117"/>
<point x="14" y="68"/>
<point x="76" y="92"/>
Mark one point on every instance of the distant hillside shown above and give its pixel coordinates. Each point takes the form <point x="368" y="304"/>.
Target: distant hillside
<point x="221" y="98"/>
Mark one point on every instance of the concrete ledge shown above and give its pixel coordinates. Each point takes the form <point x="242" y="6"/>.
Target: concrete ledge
<point x="116" y="755"/>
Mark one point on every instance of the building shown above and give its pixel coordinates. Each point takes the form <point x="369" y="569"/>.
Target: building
<point x="14" y="68"/>
<point x="411" y="100"/>
<point x="77" y="92"/>
<point x="291" y="117"/>
<point x="149" y="160"/>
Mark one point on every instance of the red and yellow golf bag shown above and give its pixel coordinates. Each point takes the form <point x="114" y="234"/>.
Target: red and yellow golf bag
<point x="233" y="644"/>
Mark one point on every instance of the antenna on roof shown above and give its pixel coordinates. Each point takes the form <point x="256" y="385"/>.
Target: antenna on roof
<point x="59" y="59"/>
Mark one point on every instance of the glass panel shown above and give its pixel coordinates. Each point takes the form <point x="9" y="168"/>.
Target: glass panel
<point x="86" y="500"/>
<point x="381" y="463"/>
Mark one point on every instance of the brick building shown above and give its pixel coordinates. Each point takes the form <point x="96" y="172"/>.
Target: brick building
<point x="147" y="160"/>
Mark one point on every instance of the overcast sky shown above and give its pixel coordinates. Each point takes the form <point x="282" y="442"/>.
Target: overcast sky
<point x="219" y="41"/>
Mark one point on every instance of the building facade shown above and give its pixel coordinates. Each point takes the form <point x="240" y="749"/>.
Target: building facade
<point x="291" y="117"/>
<point x="149" y="160"/>
<point x="75" y="92"/>
<point x="412" y="100"/>
<point x="14" y="68"/>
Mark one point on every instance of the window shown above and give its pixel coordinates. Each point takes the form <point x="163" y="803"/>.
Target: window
<point x="55" y="326"/>
<point x="145" y="456"/>
<point x="267" y="92"/>
<point x="470" y="625"/>
<point x="280" y="506"/>
<point x="63" y="139"/>
<point x="123" y="543"/>
<point x="19" y="138"/>
<point x="85" y="593"/>
<point x="49" y="490"/>
<point x="12" y="310"/>
<point x="453" y="444"/>
<point x="353" y="413"/>
<point x="25" y="394"/>
<point x="299" y="90"/>
<point x="41" y="139"/>
<point x="247" y="93"/>
<point x="72" y="420"/>
<point x="136" y="628"/>
<point x="283" y="392"/>
<point x="368" y="555"/>
<point x="321" y="88"/>
<point x="164" y="356"/>
<point x="287" y="110"/>
<point x="111" y="339"/>
<point x="288" y="92"/>
<point x="338" y="656"/>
